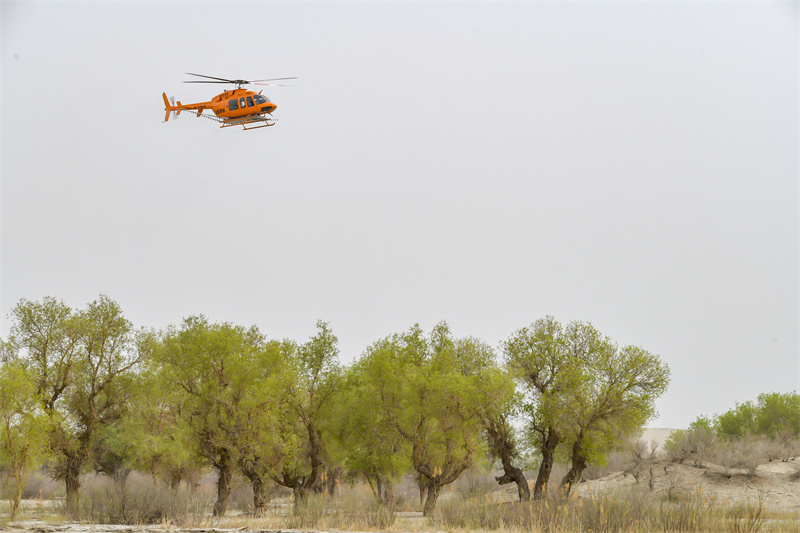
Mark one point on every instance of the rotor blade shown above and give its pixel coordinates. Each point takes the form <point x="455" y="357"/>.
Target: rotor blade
<point x="198" y="81"/>
<point x="273" y="84"/>
<point x="209" y="77"/>
<point x="172" y="103"/>
<point x="276" y="79"/>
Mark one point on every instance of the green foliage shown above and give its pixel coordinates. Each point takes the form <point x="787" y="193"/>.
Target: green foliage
<point x="365" y="441"/>
<point x="582" y="390"/>
<point x="737" y="422"/>
<point x="773" y="415"/>
<point x="45" y="335"/>
<point x="778" y="414"/>
<point x="301" y="423"/>
<point x="432" y="394"/>
<point x="221" y="371"/>
<point x="23" y="435"/>
<point x="616" y="397"/>
<point x="224" y="396"/>
<point x="156" y="431"/>
<point x="82" y="362"/>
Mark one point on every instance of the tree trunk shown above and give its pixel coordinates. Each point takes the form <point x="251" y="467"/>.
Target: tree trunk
<point x="72" y="480"/>
<point x="423" y="491"/>
<point x="299" y="490"/>
<point x="433" y="488"/>
<point x="549" y="443"/>
<point x="331" y="478"/>
<point x="260" y="497"/>
<point x="513" y="474"/>
<point x="579" y="464"/>
<point x="174" y="477"/>
<point x="384" y="489"/>
<point x="223" y="488"/>
<point x="193" y="479"/>
<point x="252" y="470"/>
<point x="120" y="477"/>
<point x="17" y="493"/>
<point x="501" y="445"/>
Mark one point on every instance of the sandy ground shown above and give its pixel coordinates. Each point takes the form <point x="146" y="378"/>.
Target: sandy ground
<point x="776" y="484"/>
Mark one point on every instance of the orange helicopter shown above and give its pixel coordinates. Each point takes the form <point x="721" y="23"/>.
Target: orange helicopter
<point x="236" y="107"/>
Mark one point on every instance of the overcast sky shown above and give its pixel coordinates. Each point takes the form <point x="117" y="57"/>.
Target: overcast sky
<point x="633" y="165"/>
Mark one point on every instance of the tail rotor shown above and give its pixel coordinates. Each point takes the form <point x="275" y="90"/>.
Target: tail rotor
<point x="170" y="107"/>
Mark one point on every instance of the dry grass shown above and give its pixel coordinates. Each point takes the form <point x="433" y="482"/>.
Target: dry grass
<point x="628" y="511"/>
<point x="138" y="501"/>
<point x="473" y="506"/>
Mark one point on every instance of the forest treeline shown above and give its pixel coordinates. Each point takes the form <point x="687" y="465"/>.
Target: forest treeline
<point x="743" y="437"/>
<point x="84" y="390"/>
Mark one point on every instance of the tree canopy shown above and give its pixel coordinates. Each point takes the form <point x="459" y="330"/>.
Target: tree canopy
<point x="225" y="397"/>
<point x="581" y="391"/>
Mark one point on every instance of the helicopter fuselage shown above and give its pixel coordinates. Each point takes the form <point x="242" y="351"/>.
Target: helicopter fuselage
<point x="234" y="104"/>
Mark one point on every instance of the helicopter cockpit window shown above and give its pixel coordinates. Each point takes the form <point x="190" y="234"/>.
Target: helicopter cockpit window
<point x="260" y="99"/>
<point x="249" y="101"/>
<point x="233" y="105"/>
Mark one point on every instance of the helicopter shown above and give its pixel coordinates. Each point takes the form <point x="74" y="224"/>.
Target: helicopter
<point x="235" y="107"/>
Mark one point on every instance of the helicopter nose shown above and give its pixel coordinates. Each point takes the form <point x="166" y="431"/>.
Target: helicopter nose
<point x="269" y="108"/>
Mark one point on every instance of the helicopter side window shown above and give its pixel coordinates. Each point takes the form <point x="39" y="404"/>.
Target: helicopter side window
<point x="249" y="101"/>
<point x="242" y="102"/>
<point x="233" y="105"/>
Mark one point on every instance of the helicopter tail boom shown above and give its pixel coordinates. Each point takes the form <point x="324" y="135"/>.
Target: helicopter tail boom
<point x="171" y="106"/>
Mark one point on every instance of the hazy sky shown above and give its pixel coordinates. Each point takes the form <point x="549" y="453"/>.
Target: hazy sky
<point x="633" y="165"/>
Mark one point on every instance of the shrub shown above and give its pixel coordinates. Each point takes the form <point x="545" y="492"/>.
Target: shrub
<point x="352" y="509"/>
<point x="472" y="514"/>
<point x="695" y="443"/>
<point x="744" y="453"/>
<point x="137" y="501"/>
<point x="687" y="512"/>
<point x="40" y="486"/>
<point x="474" y="483"/>
<point x="631" y="510"/>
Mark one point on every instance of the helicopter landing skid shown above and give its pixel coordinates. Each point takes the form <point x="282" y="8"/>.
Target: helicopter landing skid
<point x="259" y="121"/>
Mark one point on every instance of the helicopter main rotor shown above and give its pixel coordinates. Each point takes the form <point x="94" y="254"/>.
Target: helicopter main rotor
<point x="238" y="83"/>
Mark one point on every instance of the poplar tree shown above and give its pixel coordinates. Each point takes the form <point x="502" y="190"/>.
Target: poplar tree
<point x="368" y="445"/>
<point x="23" y="435"/>
<point x="79" y="360"/>
<point x="298" y="442"/>
<point x="545" y="359"/>
<point x="216" y="367"/>
<point x="157" y="429"/>
<point x="581" y="391"/>
<point x="615" y="399"/>
<point x="429" y="391"/>
<point x="259" y="412"/>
